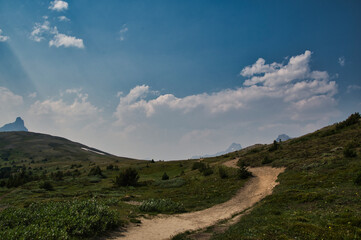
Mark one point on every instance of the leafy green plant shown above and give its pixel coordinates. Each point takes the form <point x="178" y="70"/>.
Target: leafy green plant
<point x="161" y="206"/>
<point x="57" y="220"/>
<point x="128" y="177"/>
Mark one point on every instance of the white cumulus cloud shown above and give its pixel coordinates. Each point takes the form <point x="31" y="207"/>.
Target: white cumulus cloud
<point x="42" y="31"/>
<point x="62" y="40"/>
<point x="58" y="5"/>
<point x="63" y="19"/>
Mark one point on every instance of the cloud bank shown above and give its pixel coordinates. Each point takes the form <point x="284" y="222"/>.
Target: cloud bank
<point x="293" y="88"/>
<point x="274" y="98"/>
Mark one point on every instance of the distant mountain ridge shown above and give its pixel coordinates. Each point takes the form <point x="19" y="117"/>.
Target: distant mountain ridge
<point x="283" y="137"/>
<point x="232" y="148"/>
<point x="18" y="125"/>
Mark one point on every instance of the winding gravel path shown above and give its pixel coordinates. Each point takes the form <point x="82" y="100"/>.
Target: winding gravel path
<point x="166" y="226"/>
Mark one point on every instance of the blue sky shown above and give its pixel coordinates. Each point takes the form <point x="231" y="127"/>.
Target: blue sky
<point x="172" y="79"/>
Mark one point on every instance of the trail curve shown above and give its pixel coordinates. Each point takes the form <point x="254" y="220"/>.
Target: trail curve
<point x="166" y="226"/>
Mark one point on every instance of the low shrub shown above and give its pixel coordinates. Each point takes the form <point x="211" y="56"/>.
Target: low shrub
<point x="173" y="183"/>
<point x="266" y="160"/>
<point x="208" y="171"/>
<point x="349" y="153"/>
<point x="161" y="206"/>
<point x="199" y="165"/>
<point x="222" y="172"/>
<point x="165" y="176"/>
<point x="128" y="177"/>
<point x="47" y="186"/>
<point x="203" y="168"/>
<point x="96" y="171"/>
<point x="243" y="173"/>
<point x="274" y="146"/>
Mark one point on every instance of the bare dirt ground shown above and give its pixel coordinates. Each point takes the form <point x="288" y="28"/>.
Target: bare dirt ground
<point x="166" y="226"/>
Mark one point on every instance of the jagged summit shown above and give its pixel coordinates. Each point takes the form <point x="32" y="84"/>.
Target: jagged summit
<point x="283" y="137"/>
<point x="18" y="125"/>
<point x="232" y="148"/>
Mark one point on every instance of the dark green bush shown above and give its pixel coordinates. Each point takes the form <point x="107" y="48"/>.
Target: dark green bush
<point x="349" y="152"/>
<point x="5" y="172"/>
<point x="128" y="177"/>
<point x="20" y="178"/>
<point x="358" y="179"/>
<point x="165" y="176"/>
<point x="47" y="186"/>
<point x="208" y="171"/>
<point x="199" y="165"/>
<point x="243" y="173"/>
<point x="274" y="146"/>
<point x="161" y="206"/>
<point x="96" y="171"/>
<point x="266" y="160"/>
<point x="57" y="176"/>
<point x="222" y="172"/>
<point x="242" y="163"/>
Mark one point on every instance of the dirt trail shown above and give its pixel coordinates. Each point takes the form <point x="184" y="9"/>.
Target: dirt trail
<point x="163" y="227"/>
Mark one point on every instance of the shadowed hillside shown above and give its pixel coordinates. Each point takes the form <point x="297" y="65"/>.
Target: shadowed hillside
<point x="41" y="148"/>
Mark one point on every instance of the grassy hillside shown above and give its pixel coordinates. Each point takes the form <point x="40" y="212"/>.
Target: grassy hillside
<point x="45" y="174"/>
<point x="319" y="195"/>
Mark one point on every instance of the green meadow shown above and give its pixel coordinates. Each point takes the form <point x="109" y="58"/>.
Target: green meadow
<point x="51" y="188"/>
